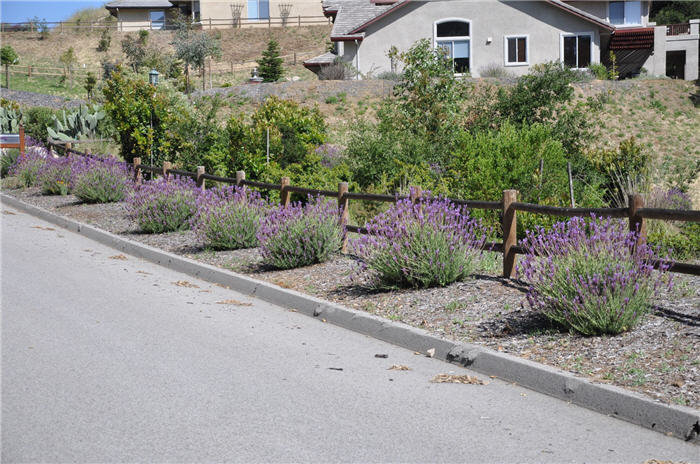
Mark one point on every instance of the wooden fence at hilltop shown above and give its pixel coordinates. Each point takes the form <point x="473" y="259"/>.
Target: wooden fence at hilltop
<point x="635" y="213"/>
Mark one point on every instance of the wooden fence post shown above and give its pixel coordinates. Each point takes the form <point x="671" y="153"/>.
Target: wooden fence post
<point x="299" y="20"/>
<point x="509" y="232"/>
<point x="166" y="167"/>
<point x="284" y="193"/>
<point x="344" y="213"/>
<point x="29" y="71"/>
<point x="21" y="141"/>
<point x="636" y="223"/>
<point x="240" y="177"/>
<point x="137" y="171"/>
<point x="200" y="177"/>
<point x="67" y="147"/>
<point x="415" y="194"/>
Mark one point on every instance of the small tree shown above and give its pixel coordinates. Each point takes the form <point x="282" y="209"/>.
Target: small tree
<point x="270" y="65"/>
<point x="193" y="49"/>
<point x="105" y="41"/>
<point x="68" y="59"/>
<point x="90" y="82"/>
<point x="135" y="50"/>
<point x="8" y="55"/>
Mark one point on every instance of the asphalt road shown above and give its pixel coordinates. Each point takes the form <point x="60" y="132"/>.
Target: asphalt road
<point x="108" y="358"/>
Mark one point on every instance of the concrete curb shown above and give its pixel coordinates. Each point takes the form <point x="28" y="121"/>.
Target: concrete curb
<point x="681" y="422"/>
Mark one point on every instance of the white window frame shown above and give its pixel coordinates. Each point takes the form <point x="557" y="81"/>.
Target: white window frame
<point x="576" y="34"/>
<point x="624" y="17"/>
<point x="455" y="38"/>
<point x="156" y="25"/>
<point x="505" y="50"/>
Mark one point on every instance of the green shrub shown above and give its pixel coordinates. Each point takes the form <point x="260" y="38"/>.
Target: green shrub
<point x="8" y="158"/>
<point x="300" y="235"/>
<point x="599" y="71"/>
<point x="36" y="120"/>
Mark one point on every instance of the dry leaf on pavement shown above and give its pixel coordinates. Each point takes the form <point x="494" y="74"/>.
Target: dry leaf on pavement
<point x="184" y="283"/>
<point x="399" y="367"/>
<point x="122" y="257"/>
<point x="234" y="302"/>
<point x="450" y="378"/>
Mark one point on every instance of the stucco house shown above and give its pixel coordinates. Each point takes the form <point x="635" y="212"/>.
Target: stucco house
<point x="154" y="14"/>
<point x="512" y="35"/>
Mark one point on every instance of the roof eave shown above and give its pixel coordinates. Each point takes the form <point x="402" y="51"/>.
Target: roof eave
<point x="600" y="23"/>
<point x="381" y="16"/>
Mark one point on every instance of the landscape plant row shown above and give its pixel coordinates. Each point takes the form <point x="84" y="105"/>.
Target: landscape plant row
<point x="586" y="275"/>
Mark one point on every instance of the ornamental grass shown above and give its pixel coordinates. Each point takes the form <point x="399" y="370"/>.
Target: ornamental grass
<point x="430" y="243"/>
<point x="301" y="234"/>
<point x="228" y="218"/>
<point x="589" y="277"/>
<point x="163" y="205"/>
<point x="100" y="180"/>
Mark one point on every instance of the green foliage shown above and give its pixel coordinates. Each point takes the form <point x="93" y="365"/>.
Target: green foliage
<point x="624" y="169"/>
<point x="90" y="82"/>
<point x="8" y="158"/>
<point x="79" y="124"/>
<point x="270" y="65"/>
<point x="294" y="132"/>
<point x="599" y="71"/>
<point x="193" y="48"/>
<point x="68" y="60"/>
<point x="674" y="12"/>
<point x="146" y="121"/>
<point x="8" y="56"/>
<point x="537" y="95"/>
<point x="36" y="119"/>
<point x="105" y="41"/>
<point x="135" y="50"/>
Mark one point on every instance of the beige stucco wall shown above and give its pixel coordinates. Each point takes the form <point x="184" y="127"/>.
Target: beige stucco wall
<point x="133" y="20"/>
<point x="221" y="10"/>
<point x="543" y="24"/>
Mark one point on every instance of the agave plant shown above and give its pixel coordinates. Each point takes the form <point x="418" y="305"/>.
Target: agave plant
<point x="79" y="124"/>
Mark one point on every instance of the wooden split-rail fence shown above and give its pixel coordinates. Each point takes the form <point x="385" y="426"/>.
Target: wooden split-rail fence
<point x="636" y="213"/>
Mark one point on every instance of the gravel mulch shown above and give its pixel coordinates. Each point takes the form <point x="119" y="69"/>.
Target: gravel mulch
<point x="39" y="99"/>
<point x="659" y="358"/>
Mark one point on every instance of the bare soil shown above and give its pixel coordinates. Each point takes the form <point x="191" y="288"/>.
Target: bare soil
<point x="659" y="358"/>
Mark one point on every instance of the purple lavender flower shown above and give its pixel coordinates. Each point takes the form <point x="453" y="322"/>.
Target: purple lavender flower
<point x="164" y="206"/>
<point x="26" y="168"/>
<point x="301" y="234"/>
<point x="55" y="175"/>
<point x="589" y="275"/>
<point x="430" y="243"/>
<point x="96" y="180"/>
<point x="228" y="218"/>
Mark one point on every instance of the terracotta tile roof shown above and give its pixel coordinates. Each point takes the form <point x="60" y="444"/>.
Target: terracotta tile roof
<point x="632" y="39"/>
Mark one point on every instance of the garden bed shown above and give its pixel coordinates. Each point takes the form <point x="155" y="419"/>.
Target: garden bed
<point x="659" y="357"/>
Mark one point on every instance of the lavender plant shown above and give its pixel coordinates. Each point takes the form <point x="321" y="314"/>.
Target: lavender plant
<point x="229" y="218"/>
<point x="300" y="235"/>
<point x="588" y="276"/>
<point x="27" y="167"/>
<point x="430" y="243"/>
<point x="55" y="175"/>
<point x="164" y="206"/>
<point x="95" y="180"/>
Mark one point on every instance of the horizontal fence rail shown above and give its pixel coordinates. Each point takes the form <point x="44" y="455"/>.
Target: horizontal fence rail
<point x="635" y="213"/>
<point x="126" y="26"/>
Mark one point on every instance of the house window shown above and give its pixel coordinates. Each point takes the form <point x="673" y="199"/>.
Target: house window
<point x="258" y="9"/>
<point x="157" y="19"/>
<point x="576" y="50"/>
<point x="516" y="50"/>
<point x="453" y="36"/>
<point x="625" y="13"/>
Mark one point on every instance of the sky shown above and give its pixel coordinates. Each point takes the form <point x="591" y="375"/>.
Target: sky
<point x="15" y="11"/>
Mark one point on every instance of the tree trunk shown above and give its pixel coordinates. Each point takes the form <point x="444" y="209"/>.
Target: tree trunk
<point x="187" y="78"/>
<point x="204" y="77"/>
<point x="7" y="76"/>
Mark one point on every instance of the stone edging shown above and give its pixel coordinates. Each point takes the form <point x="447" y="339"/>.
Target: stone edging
<point x="678" y="421"/>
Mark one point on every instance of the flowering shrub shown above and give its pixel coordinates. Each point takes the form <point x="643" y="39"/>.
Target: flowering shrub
<point x="426" y="244"/>
<point x="228" y="218"/>
<point x="54" y="176"/>
<point x="300" y="235"/>
<point x="588" y="276"/>
<point x="27" y="167"/>
<point x="96" y="180"/>
<point x="159" y="206"/>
